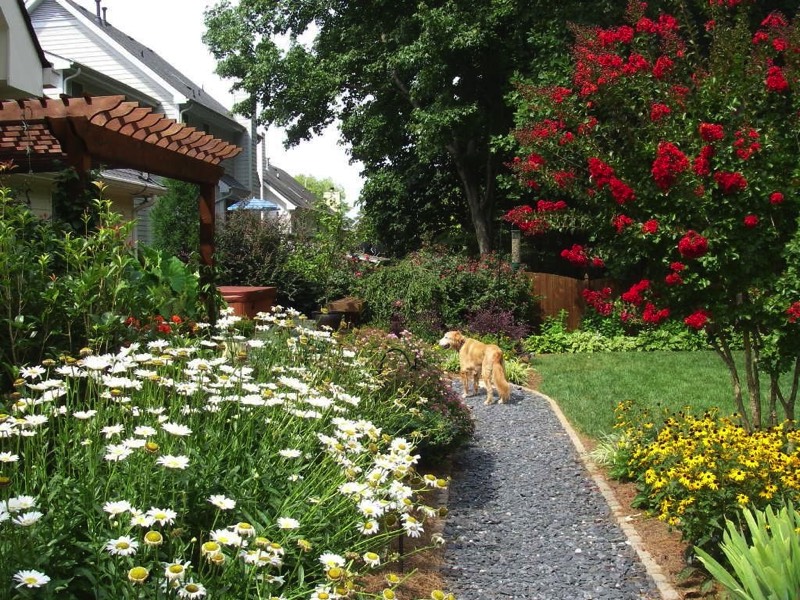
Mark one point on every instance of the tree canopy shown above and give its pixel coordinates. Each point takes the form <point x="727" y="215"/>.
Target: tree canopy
<point x="420" y="89"/>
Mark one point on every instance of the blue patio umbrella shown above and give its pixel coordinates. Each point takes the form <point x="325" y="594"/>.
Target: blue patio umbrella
<point x="254" y="204"/>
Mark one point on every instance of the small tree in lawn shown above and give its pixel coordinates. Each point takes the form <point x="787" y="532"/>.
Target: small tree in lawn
<point x="675" y="148"/>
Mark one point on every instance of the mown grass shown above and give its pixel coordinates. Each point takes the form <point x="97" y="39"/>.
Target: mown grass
<point x="588" y="387"/>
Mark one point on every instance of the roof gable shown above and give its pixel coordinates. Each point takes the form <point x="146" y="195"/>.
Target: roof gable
<point x="150" y="62"/>
<point x="283" y="184"/>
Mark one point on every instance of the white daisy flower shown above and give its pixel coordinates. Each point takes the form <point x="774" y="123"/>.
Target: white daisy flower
<point x="175" y="571"/>
<point x="30" y="578"/>
<point x="117" y="508"/>
<point x="20" y="503"/>
<point x="290" y="453"/>
<point x="144" y="431"/>
<point x="192" y="589"/>
<point x="141" y="519"/>
<point x="412" y="526"/>
<point x="111" y="430"/>
<point x="173" y="462"/>
<point x="222" y="502"/>
<point x="32" y="372"/>
<point x="84" y="415"/>
<point x="162" y="516"/>
<point x="329" y="559"/>
<point x="122" y="546"/>
<point x="176" y="429"/>
<point x="226" y="537"/>
<point x="372" y="559"/>
<point x="117" y="452"/>
<point x="288" y="523"/>
<point x="369" y="527"/>
<point x="34" y="420"/>
<point x="7" y="457"/>
<point x="27" y="519"/>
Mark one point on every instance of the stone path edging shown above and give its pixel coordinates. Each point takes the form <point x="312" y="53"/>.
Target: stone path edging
<point x="665" y="588"/>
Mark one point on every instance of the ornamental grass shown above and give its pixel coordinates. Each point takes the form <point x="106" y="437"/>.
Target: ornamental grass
<point x="696" y="472"/>
<point x="217" y="465"/>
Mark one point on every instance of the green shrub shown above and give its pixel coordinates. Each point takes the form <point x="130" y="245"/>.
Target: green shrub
<point x="63" y="291"/>
<point x="411" y="375"/>
<point x="764" y="559"/>
<point x="432" y="290"/>
<point x="253" y="251"/>
<point x="597" y="335"/>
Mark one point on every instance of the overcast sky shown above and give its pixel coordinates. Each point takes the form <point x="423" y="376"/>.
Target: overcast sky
<point x="173" y="29"/>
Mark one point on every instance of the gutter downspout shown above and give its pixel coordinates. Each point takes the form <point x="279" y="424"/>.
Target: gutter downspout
<point x="67" y="78"/>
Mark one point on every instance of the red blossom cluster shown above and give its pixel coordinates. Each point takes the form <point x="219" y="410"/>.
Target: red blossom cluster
<point x="634" y="295"/>
<point x="698" y="319"/>
<point x="578" y="257"/>
<point x="668" y="164"/>
<point x="674" y="277"/>
<point x="550" y="206"/>
<point x="711" y="132"/>
<point x="702" y="162"/>
<point x="603" y="176"/>
<point x="776" y="198"/>
<point x="654" y="315"/>
<point x="750" y="221"/>
<point x="794" y="312"/>
<point x="776" y="80"/>
<point x="746" y="143"/>
<point x="599" y="300"/>
<point x="658" y="111"/>
<point x="730" y="182"/>
<point x="620" y="222"/>
<point x="650" y="227"/>
<point x="692" y="245"/>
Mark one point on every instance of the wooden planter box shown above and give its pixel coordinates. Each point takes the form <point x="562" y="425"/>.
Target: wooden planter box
<point x="350" y="306"/>
<point x="248" y="301"/>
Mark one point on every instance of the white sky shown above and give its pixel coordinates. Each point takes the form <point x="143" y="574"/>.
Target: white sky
<point x="173" y="29"/>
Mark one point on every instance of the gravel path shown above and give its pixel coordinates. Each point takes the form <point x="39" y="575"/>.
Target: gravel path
<point x="526" y="521"/>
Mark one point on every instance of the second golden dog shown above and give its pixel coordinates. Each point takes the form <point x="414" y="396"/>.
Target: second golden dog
<point x="479" y="361"/>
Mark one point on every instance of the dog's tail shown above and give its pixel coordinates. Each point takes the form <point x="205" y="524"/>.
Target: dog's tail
<point x="500" y="381"/>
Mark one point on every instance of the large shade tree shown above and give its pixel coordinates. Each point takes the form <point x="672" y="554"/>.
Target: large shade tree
<point x="414" y="85"/>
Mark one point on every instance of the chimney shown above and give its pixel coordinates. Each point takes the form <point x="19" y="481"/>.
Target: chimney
<point x="105" y="22"/>
<point x="99" y="18"/>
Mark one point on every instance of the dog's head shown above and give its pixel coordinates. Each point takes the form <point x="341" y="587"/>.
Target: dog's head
<point x="452" y="339"/>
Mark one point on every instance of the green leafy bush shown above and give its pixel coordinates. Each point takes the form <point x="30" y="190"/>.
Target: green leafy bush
<point x="411" y="375"/>
<point x="764" y="559"/>
<point x="433" y="289"/>
<point x="62" y="291"/>
<point x="555" y="338"/>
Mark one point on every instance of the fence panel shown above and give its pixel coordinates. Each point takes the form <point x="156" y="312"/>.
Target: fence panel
<point x="557" y="293"/>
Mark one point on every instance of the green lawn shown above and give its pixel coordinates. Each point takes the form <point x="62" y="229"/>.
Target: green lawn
<point x="587" y="387"/>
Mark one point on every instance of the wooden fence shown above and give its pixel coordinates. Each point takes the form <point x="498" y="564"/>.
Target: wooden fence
<point x="557" y="293"/>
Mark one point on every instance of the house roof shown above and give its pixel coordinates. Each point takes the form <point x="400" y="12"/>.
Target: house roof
<point x="287" y="186"/>
<point x="158" y="65"/>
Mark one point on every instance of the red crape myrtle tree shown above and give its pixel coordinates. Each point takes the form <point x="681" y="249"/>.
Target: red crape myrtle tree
<point x="676" y="149"/>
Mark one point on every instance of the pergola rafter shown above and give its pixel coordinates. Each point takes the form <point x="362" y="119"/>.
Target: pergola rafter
<point x="47" y="135"/>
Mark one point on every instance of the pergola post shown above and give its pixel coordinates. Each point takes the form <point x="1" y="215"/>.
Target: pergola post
<point x="207" y="227"/>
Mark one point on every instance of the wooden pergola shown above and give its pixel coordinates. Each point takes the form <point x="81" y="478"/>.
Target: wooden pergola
<point x="47" y="135"/>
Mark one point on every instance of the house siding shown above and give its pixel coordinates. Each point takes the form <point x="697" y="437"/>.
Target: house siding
<point x="62" y="33"/>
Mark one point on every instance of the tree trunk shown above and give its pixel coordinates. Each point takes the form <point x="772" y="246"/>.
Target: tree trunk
<point x="753" y="387"/>
<point x="724" y="351"/>
<point x="479" y="195"/>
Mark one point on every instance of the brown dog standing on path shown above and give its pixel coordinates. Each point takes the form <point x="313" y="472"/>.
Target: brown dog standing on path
<point x="479" y="360"/>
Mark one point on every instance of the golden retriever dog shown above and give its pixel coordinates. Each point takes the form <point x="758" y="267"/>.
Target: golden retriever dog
<point x="479" y="360"/>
